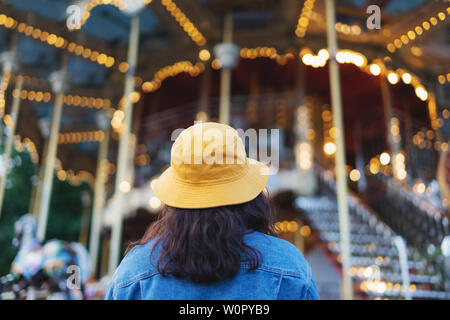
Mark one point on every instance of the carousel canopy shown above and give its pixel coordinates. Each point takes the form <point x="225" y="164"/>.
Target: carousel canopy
<point x="173" y="38"/>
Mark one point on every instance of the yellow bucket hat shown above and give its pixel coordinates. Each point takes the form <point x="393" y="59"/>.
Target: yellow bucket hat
<point x="209" y="168"/>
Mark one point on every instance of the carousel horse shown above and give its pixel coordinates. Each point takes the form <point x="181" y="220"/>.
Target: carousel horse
<point x="47" y="265"/>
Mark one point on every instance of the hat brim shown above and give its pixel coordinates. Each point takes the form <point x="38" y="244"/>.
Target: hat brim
<point x="179" y="194"/>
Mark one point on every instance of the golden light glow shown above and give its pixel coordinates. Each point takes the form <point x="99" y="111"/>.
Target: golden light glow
<point x="417" y="31"/>
<point x="259" y="52"/>
<point x="303" y="155"/>
<point x="385" y="158"/>
<point x="55" y="40"/>
<point x="399" y="166"/>
<point x="406" y="77"/>
<point x="349" y="56"/>
<point x="204" y="55"/>
<point x="353" y="30"/>
<point x="329" y="148"/>
<point x="184" y="22"/>
<point x="421" y="92"/>
<point x="172" y="71"/>
<point x="124" y="186"/>
<point x="154" y="203"/>
<point x="78" y="137"/>
<point x="316" y="61"/>
<point x="375" y="69"/>
<point x="419" y="187"/>
<point x="303" y="20"/>
<point x="392" y="77"/>
<point x="354" y="175"/>
<point x="374" y="166"/>
<point x="305" y="231"/>
<point x="215" y="64"/>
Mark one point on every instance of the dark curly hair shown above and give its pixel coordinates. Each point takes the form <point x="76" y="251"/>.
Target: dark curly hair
<point x="206" y="245"/>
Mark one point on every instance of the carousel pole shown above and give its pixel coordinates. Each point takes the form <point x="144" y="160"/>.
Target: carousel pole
<point x="10" y="140"/>
<point x="393" y="140"/>
<point x="341" y="176"/>
<point x="122" y="162"/>
<point x="84" y="229"/>
<point x="225" y="74"/>
<point x="99" y="200"/>
<point x="37" y="188"/>
<point x="8" y="65"/>
<point x="58" y="82"/>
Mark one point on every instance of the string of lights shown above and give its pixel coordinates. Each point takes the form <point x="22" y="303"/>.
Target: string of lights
<point x="444" y="78"/>
<point x="303" y="20"/>
<point x="57" y="41"/>
<point x="82" y="136"/>
<point x="172" y="71"/>
<point x="3" y="87"/>
<point x="266" y="52"/>
<point x="69" y="99"/>
<point x="74" y="178"/>
<point x="418" y="30"/>
<point x="184" y="22"/>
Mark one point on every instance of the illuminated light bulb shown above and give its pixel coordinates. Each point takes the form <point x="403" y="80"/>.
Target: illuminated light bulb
<point x="418" y="30"/>
<point x="375" y="69"/>
<point x="420" y="187"/>
<point x="305" y="231"/>
<point x="109" y="62"/>
<point x="62" y="175"/>
<point x="421" y="92"/>
<point x="385" y="158"/>
<point x="401" y="174"/>
<point x="292" y="226"/>
<point x="215" y="64"/>
<point x="154" y="202"/>
<point x="329" y="148"/>
<point x="119" y="114"/>
<point x="358" y="60"/>
<point x="354" y="175"/>
<point x="340" y="57"/>
<point x="392" y="77"/>
<point x="404" y="39"/>
<point x="347" y="57"/>
<point x="398" y="43"/>
<point x="125" y="187"/>
<point x="390" y="47"/>
<point x="204" y="55"/>
<point x="323" y="54"/>
<point x="333" y="132"/>
<point x="123" y="67"/>
<point x="374" y="166"/>
<point x="307" y="59"/>
<point x="406" y="77"/>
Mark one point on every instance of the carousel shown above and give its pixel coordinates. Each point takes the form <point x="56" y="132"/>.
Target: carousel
<point x="92" y="91"/>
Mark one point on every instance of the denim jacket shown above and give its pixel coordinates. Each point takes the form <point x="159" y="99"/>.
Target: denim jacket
<point x="283" y="274"/>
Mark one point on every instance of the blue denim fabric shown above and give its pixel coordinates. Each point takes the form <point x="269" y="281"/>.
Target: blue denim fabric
<point x="283" y="274"/>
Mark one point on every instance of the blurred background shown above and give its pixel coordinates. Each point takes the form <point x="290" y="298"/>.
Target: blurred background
<point x="92" y="90"/>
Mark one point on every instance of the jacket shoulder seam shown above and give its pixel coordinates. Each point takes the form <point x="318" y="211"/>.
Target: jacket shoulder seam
<point x="278" y="271"/>
<point x="137" y="278"/>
